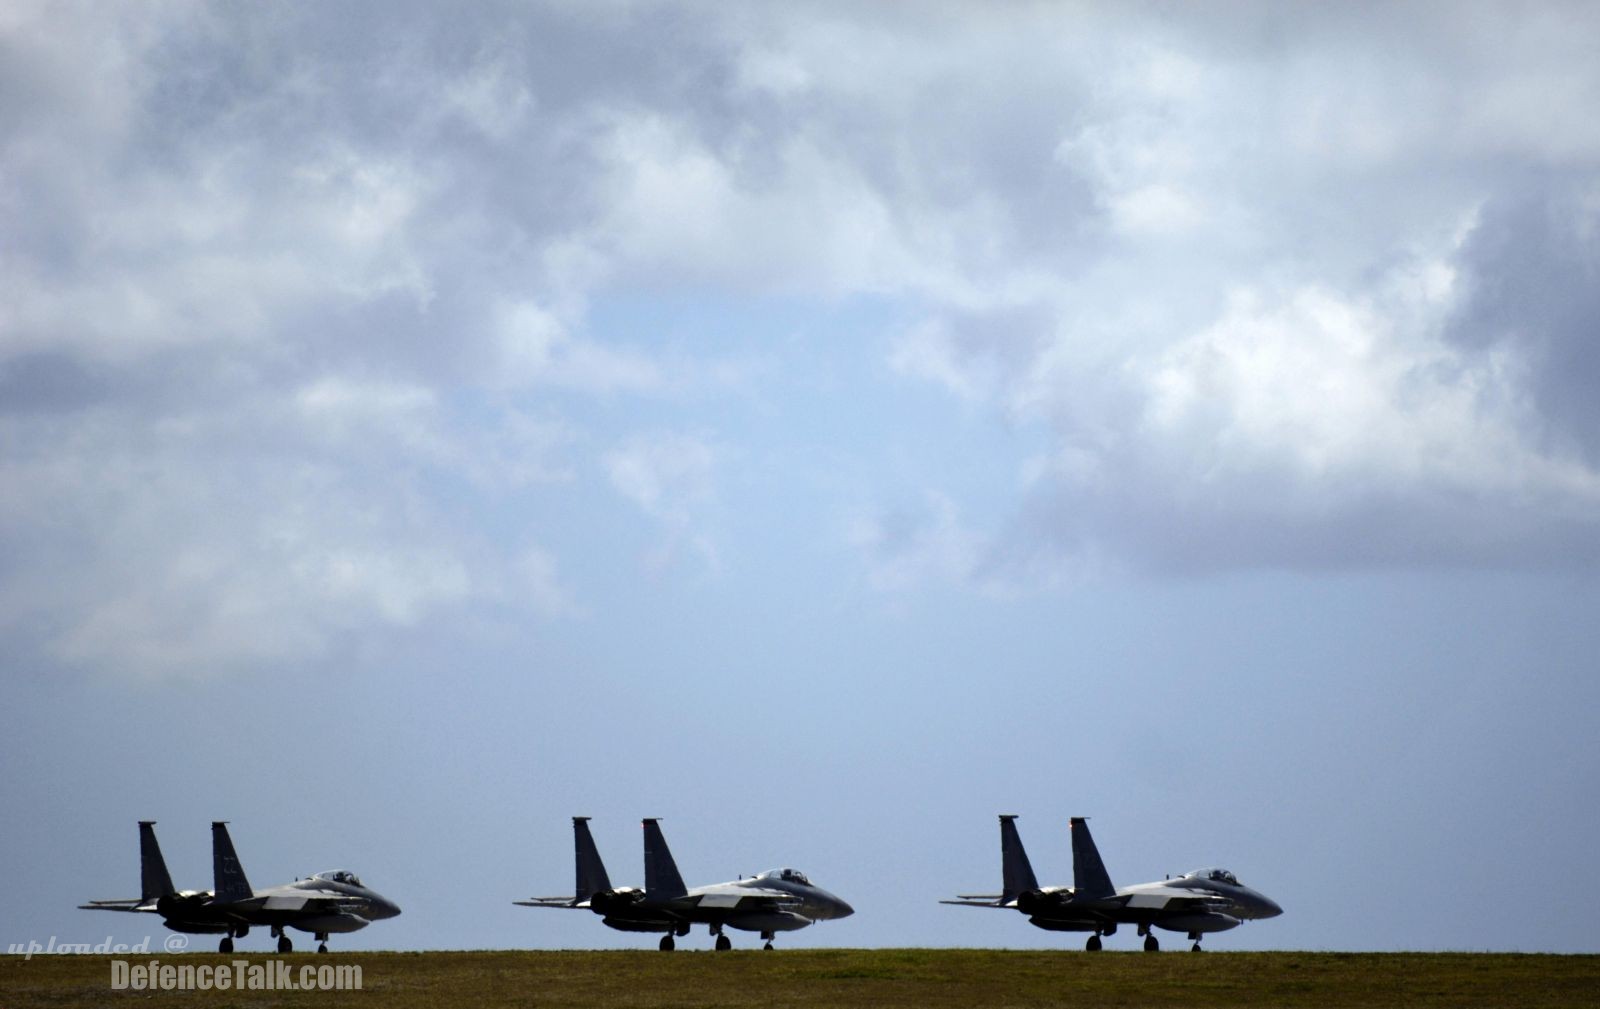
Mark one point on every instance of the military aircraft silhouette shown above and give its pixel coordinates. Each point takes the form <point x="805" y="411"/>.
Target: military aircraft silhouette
<point x="1206" y="900"/>
<point x="781" y="900"/>
<point x="328" y="902"/>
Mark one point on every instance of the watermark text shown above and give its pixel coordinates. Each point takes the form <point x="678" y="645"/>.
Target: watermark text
<point x="236" y="975"/>
<point x="174" y="944"/>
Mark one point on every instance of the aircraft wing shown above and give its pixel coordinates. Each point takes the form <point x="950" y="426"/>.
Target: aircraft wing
<point x="566" y="902"/>
<point x="742" y="897"/>
<point x="309" y="902"/>
<point x="118" y="905"/>
<point x="1162" y="897"/>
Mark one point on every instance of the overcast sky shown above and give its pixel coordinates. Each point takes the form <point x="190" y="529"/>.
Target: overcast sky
<point x="823" y="426"/>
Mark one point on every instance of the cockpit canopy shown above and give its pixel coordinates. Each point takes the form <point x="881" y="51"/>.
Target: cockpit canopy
<point x="1216" y="876"/>
<point x="787" y="875"/>
<point x="344" y="876"/>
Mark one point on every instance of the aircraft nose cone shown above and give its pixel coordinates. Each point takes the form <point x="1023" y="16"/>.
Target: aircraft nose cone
<point x="1270" y="908"/>
<point x="386" y="908"/>
<point x="842" y="909"/>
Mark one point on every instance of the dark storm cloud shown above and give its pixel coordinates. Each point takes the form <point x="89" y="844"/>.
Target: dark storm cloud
<point x="44" y="381"/>
<point x="1531" y="274"/>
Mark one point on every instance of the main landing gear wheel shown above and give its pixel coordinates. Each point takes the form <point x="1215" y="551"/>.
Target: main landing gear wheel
<point x="767" y="946"/>
<point x="1196" y="948"/>
<point x="1150" y="944"/>
<point x="226" y="945"/>
<point x="284" y="945"/>
<point x="667" y="945"/>
<point x="723" y="943"/>
<point x="322" y="947"/>
<point x="1093" y="945"/>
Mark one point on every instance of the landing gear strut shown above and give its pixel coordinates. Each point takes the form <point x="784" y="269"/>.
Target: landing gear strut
<point x="723" y="942"/>
<point x="234" y="931"/>
<point x="768" y="937"/>
<point x="1196" y="947"/>
<point x="322" y="942"/>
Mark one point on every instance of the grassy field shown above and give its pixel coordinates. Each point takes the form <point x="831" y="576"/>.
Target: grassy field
<point x="919" y="978"/>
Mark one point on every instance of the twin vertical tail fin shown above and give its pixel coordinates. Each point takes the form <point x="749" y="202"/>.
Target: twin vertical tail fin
<point x="592" y="878"/>
<point x="1016" y="871"/>
<point x="1090" y="880"/>
<point x="228" y="875"/>
<point x="154" y="880"/>
<point x="661" y="878"/>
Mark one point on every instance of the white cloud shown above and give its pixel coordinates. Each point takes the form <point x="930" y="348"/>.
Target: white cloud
<point x="541" y="584"/>
<point x="493" y="96"/>
<point x="278" y="290"/>
<point x="672" y="478"/>
<point x="913" y="549"/>
<point x="786" y="216"/>
<point x="537" y="348"/>
<point x="1308" y="426"/>
<point x="1325" y="391"/>
<point x="187" y="564"/>
<point x="930" y="351"/>
<point x="664" y="474"/>
<point x="190" y="544"/>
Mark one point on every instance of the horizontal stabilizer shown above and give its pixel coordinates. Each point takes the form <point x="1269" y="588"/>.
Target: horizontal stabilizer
<point x="563" y="902"/>
<point x="118" y="905"/>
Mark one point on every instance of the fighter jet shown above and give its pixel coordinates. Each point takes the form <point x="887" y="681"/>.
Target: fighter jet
<point x="327" y="902"/>
<point x="1206" y="900"/>
<point x="781" y="900"/>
